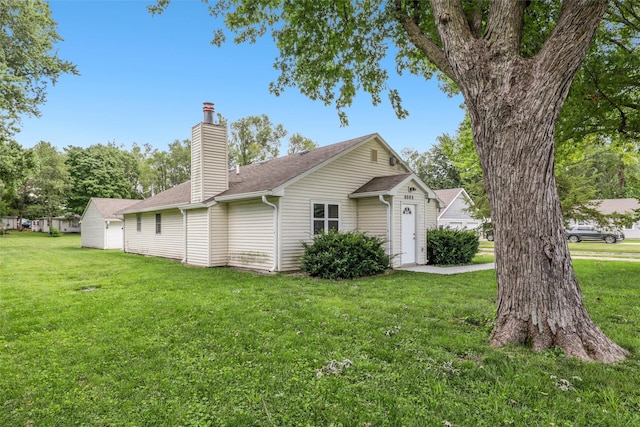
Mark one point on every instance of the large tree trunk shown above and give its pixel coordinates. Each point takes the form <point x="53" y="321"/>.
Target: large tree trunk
<point x="513" y="103"/>
<point x="539" y="299"/>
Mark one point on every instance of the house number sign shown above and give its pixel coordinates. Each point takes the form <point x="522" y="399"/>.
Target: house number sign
<point x="408" y="196"/>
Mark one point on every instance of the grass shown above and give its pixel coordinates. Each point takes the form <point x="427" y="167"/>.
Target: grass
<point x="101" y="338"/>
<point x="626" y="249"/>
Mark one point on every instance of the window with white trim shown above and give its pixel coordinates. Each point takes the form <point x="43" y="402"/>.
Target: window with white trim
<point x="138" y="222"/>
<point x="326" y="216"/>
<point x="158" y="223"/>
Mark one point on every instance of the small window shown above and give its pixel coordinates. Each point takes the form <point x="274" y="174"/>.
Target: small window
<point x="158" y="223"/>
<point x="138" y="222"/>
<point x="374" y="155"/>
<point x="326" y="216"/>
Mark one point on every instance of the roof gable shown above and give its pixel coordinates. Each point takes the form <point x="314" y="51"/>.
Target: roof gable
<point x="277" y="173"/>
<point x="259" y="178"/>
<point x="109" y="207"/>
<point x="448" y="195"/>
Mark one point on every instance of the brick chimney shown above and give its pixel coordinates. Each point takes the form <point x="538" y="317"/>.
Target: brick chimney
<point x="209" y="157"/>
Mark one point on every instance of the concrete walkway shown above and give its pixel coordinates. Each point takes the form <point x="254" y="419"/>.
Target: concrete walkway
<point x="456" y="269"/>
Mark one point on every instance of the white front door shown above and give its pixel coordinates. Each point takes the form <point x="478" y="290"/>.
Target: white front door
<point x="408" y="234"/>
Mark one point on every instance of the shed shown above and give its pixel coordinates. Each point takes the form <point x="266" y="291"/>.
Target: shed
<point x="101" y="227"/>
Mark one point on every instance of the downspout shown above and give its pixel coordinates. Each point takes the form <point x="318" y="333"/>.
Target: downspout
<point x="275" y="232"/>
<point x="105" y="235"/>
<point x="384" y="202"/>
<point x="184" y="233"/>
<point x="124" y="234"/>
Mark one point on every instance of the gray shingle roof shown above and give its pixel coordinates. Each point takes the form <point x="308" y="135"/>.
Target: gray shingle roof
<point x="448" y="195"/>
<point x="273" y="173"/>
<point x="109" y="207"/>
<point x="257" y="177"/>
<point x="382" y="183"/>
<point x="609" y="206"/>
<point x="175" y="196"/>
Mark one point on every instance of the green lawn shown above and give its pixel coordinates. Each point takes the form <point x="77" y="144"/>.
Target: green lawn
<point x="101" y="338"/>
<point x="627" y="248"/>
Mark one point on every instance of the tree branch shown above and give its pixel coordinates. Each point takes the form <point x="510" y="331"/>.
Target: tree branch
<point x="504" y="28"/>
<point x="420" y="40"/>
<point x="569" y="41"/>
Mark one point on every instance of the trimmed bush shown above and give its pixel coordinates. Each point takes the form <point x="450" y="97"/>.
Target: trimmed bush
<point x="344" y="255"/>
<point x="451" y="247"/>
<point x="54" y="232"/>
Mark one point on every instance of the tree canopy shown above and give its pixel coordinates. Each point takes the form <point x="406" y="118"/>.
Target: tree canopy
<point x="100" y="171"/>
<point x="28" y="62"/>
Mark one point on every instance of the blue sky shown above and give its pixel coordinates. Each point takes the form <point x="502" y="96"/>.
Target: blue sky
<point x="144" y="78"/>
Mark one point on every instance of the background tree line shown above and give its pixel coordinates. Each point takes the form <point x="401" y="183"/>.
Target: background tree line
<point x="46" y="182"/>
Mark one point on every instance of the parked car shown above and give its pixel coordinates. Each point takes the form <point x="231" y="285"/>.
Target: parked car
<point x="487" y="231"/>
<point x="587" y="232"/>
<point x="26" y="224"/>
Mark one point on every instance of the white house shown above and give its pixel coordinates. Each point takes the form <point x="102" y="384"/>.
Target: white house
<point x="101" y="227"/>
<point x="10" y="222"/>
<point x="61" y="223"/>
<point x="457" y="211"/>
<point x="620" y="206"/>
<point x="257" y="216"/>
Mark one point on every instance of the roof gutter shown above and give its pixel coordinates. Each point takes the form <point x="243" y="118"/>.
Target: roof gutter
<point x="275" y="232"/>
<point x="151" y="209"/>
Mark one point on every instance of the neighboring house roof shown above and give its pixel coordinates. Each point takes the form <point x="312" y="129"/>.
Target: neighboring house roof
<point x="109" y="207"/>
<point x="260" y="177"/>
<point x="609" y="206"/>
<point x="448" y="195"/>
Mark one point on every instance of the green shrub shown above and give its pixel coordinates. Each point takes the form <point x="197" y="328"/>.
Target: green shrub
<point x="446" y="246"/>
<point x="344" y="255"/>
<point x="54" y="232"/>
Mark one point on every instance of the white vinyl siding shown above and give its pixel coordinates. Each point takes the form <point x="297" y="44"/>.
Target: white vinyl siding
<point x="218" y="235"/>
<point x="334" y="183"/>
<point x="251" y="235"/>
<point x="432" y="214"/>
<point x="197" y="237"/>
<point x="372" y="217"/>
<point x="209" y="166"/>
<point x="168" y="244"/>
<point x="196" y="164"/>
<point x="417" y="198"/>
<point x="93" y="226"/>
<point x="113" y="235"/>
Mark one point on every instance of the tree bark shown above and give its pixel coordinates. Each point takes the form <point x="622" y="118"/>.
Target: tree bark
<point x="513" y="103"/>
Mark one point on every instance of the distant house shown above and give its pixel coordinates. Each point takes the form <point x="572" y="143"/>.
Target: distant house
<point x="621" y="206"/>
<point x="10" y="222"/>
<point x="257" y="216"/>
<point x="456" y="213"/>
<point x="101" y="227"/>
<point x="61" y="223"/>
